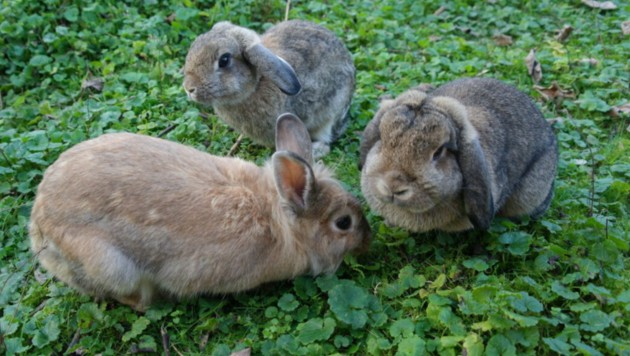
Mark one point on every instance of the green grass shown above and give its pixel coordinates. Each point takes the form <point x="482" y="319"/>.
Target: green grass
<point x="557" y="285"/>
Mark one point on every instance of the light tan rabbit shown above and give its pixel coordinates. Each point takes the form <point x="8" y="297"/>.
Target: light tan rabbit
<point x="296" y="66"/>
<point x="130" y="217"/>
<point x="452" y="159"/>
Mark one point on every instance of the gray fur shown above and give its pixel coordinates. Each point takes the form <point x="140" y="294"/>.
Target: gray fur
<point x="501" y="157"/>
<point x="250" y="93"/>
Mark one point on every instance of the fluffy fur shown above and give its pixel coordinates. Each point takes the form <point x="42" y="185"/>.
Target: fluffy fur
<point x="296" y="66"/>
<point x="452" y="159"/>
<point x="130" y="217"/>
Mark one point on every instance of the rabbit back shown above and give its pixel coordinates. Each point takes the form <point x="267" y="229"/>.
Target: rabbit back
<point x="516" y="139"/>
<point x="296" y="66"/>
<point x="124" y="213"/>
<point x="325" y="69"/>
<point x="454" y="158"/>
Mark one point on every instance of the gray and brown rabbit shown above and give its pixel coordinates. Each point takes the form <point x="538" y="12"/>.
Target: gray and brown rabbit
<point x="130" y="217"/>
<point x="453" y="158"/>
<point x="296" y="66"/>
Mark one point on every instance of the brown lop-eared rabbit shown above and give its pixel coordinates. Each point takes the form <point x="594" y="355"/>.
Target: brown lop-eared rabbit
<point x="452" y="159"/>
<point x="133" y="217"/>
<point x="296" y="66"/>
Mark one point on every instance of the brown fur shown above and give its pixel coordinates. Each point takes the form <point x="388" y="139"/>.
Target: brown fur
<point x="259" y="85"/>
<point x="130" y="217"/>
<point x="452" y="159"/>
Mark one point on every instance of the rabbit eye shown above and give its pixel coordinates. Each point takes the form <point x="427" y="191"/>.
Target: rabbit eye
<point x="344" y="222"/>
<point x="225" y="60"/>
<point x="439" y="153"/>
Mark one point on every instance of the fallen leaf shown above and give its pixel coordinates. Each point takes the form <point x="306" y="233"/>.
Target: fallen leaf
<point x="625" y="27"/>
<point x="590" y="61"/>
<point x="554" y="92"/>
<point x="203" y="341"/>
<point x="556" y="120"/>
<point x="564" y="33"/>
<point x="439" y="11"/>
<point x="606" y="5"/>
<point x="534" y="68"/>
<point x="502" y="40"/>
<point x="93" y="83"/>
<point x="170" y="18"/>
<point x="434" y="38"/>
<point x="623" y="109"/>
<point x="243" y="352"/>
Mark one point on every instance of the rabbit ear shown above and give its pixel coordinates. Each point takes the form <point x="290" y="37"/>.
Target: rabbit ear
<point x="273" y="67"/>
<point x="292" y="135"/>
<point x="371" y="135"/>
<point x="294" y="179"/>
<point x="477" y="191"/>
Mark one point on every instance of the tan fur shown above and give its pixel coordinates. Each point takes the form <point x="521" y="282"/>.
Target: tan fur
<point x="246" y="94"/>
<point x="131" y="217"/>
<point x="500" y="157"/>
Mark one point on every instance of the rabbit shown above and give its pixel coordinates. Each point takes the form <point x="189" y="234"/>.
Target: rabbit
<point x="455" y="157"/>
<point x="296" y="66"/>
<point x="132" y="217"/>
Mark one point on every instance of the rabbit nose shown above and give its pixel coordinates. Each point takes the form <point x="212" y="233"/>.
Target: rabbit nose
<point x="191" y="92"/>
<point x="393" y="186"/>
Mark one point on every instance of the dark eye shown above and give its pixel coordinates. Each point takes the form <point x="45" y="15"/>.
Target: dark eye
<point x="439" y="153"/>
<point x="224" y="60"/>
<point x="344" y="222"/>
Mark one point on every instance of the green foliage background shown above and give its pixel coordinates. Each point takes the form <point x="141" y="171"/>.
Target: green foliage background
<point x="558" y="285"/>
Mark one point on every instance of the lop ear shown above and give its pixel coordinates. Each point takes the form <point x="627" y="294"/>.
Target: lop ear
<point x="292" y="135"/>
<point x="371" y="135"/>
<point x="273" y="67"/>
<point x="476" y="190"/>
<point x="294" y="180"/>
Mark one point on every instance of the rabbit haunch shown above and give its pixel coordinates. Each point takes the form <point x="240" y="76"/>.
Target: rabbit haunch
<point x="129" y="216"/>
<point x="453" y="158"/>
<point x="296" y="66"/>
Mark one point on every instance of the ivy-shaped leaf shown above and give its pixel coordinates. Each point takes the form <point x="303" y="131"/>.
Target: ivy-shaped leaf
<point x="595" y="320"/>
<point x="473" y="345"/>
<point x="563" y="291"/>
<point x="349" y="303"/>
<point x="327" y="282"/>
<point x="137" y="328"/>
<point x="315" y="330"/>
<point x="500" y="345"/>
<point x="304" y="287"/>
<point x="413" y="345"/>
<point x="402" y="327"/>
<point x="48" y="333"/>
<point x="39" y="60"/>
<point x="14" y="346"/>
<point x="477" y="263"/>
<point x="288" y="302"/>
<point x="525" y="303"/>
<point x="517" y="242"/>
<point x="558" y="345"/>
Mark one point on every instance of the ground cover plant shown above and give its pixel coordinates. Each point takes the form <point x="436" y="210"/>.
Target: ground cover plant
<point x="74" y="70"/>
